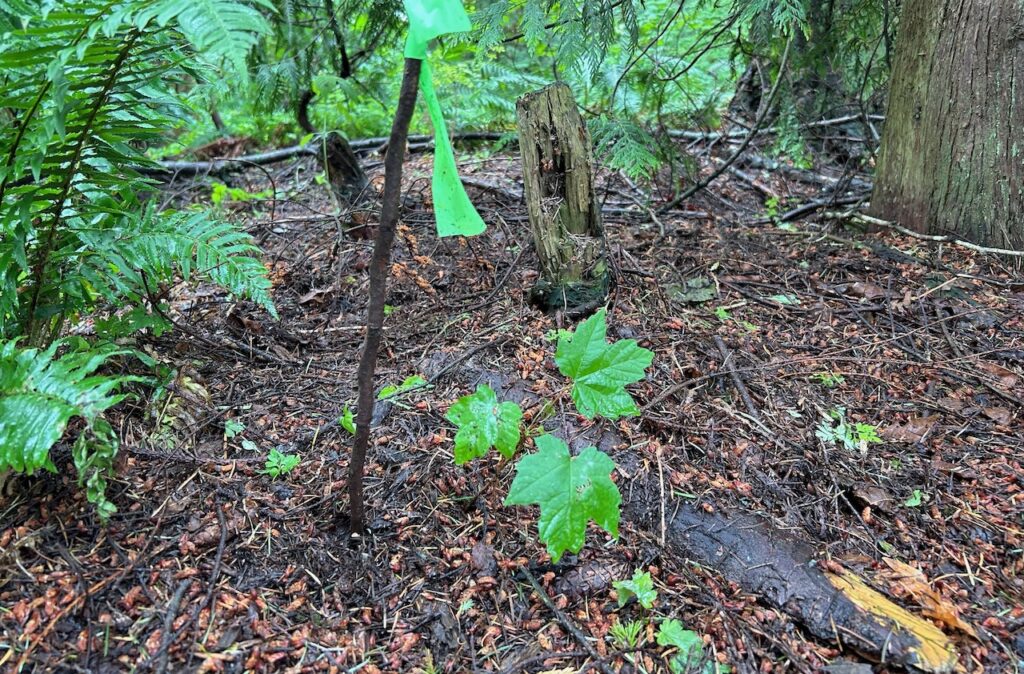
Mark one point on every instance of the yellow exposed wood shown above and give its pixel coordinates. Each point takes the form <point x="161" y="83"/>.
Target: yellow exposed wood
<point x="935" y="653"/>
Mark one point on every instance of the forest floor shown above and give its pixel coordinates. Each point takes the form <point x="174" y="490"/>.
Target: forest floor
<point x="210" y="565"/>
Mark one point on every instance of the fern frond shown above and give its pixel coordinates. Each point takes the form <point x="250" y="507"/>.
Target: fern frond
<point x="220" y="29"/>
<point x="126" y="262"/>
<point x="40" y="393"/>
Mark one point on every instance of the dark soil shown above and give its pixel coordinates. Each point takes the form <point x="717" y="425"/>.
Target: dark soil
<point x="210" y="565"/>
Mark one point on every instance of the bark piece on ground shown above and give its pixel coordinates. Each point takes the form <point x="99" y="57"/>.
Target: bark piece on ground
<point x="834" y="606"/>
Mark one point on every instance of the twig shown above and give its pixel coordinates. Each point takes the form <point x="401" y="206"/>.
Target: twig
<point x="686" y="134"/>
<point x="521" y="665"/>
<point x="566" y="621"/>
<point x="727" y="363"/>
<point x="746" y="141"/>
<point x="937" y="238"/>
<point x="221" y="167"/>
<point x="166" y="637"/>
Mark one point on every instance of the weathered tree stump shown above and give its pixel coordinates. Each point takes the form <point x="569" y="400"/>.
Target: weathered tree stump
<point x="565" y="218"/>
<point x="344" y="173"/>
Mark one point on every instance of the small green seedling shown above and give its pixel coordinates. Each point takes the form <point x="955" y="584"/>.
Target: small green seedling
<point x="232" y="427"/>
<point x="220" y="193"/>
<point x="696" y="290"/>
<point x="279" y="463"/>
<point x="855" y="436"/>
<point x="785" y="299"/>
<point x="348" y="420"/>
<point x="483" y="423"/>
<point x="570" y="491"/>
<point x="640" y="586"/>
<point x="415" y="381"/>
<point x="555" y="335"/>
<point x="627" y="636"/>
<point x="916" y="499"/>
<point x="600" y="371"/>
<point x="829" y="379"/>
<point x="689" y="645"/>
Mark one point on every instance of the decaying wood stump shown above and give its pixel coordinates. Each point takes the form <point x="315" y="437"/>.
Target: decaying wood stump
<point x="344" y="173"/>
<point x="565" y="218"/>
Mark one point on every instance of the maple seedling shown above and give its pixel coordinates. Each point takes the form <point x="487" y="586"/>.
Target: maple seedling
<point x="600" y="371"/>
<point x="483" y="423"/>
<point x="640" y="586"/>
<point x="570" y="491"/>
<point x="278" y="463"/>
<point x="689" y="645"/>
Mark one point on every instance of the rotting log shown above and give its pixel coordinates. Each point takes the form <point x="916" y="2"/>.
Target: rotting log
<point x="783" y="572"/>
<point x="564" y="215"/>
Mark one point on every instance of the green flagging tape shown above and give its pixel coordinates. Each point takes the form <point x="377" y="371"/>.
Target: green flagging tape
<point x="453" y="211"/>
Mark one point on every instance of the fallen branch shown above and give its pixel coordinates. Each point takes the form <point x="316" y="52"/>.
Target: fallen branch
<point x="832" y="603"/>
<point x="746" y="141"/>
<point x="937" y="238"/>
<point x="729" y="366"/>
<point x="220" y="167"/>
<point x="566" y="622"/>
<point x="719" y="135"/>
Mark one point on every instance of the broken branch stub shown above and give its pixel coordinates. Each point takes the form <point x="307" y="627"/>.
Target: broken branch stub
<point x="565" y="218"/>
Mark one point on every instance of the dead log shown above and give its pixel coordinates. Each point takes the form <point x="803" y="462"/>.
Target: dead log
<point x="558" y="182"/>
<point x="171" y="169"/>
<point x="833" y="605"/>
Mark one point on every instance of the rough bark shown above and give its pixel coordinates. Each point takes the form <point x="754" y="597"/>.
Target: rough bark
<point x="833" y="605"/>
<point x="565" y="218"/>
<point x="952" y="157"/>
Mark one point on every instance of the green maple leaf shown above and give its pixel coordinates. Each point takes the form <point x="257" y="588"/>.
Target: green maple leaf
<point x="690" y="650"/>
<point x="484" y="423"/>
<point x="640" y="586"/>
<point x="570" y="491"/>
<point x="599" y="370"/>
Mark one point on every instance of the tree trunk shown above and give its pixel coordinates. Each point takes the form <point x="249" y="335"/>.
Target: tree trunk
<point x="952" y="156"/>
<point x="559" y="188"/>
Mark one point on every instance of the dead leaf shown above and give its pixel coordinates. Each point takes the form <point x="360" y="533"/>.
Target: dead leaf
<point x="318" y="295"/>
<point x="482" y="556"/>
<point x="872" y="496"/>
<point x="867" y="290"/>
<point x="913" y="430"/>
<point x="1008" y="379"/>
<point x="1000" y="415"/>
<point x="912" y="581"/>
